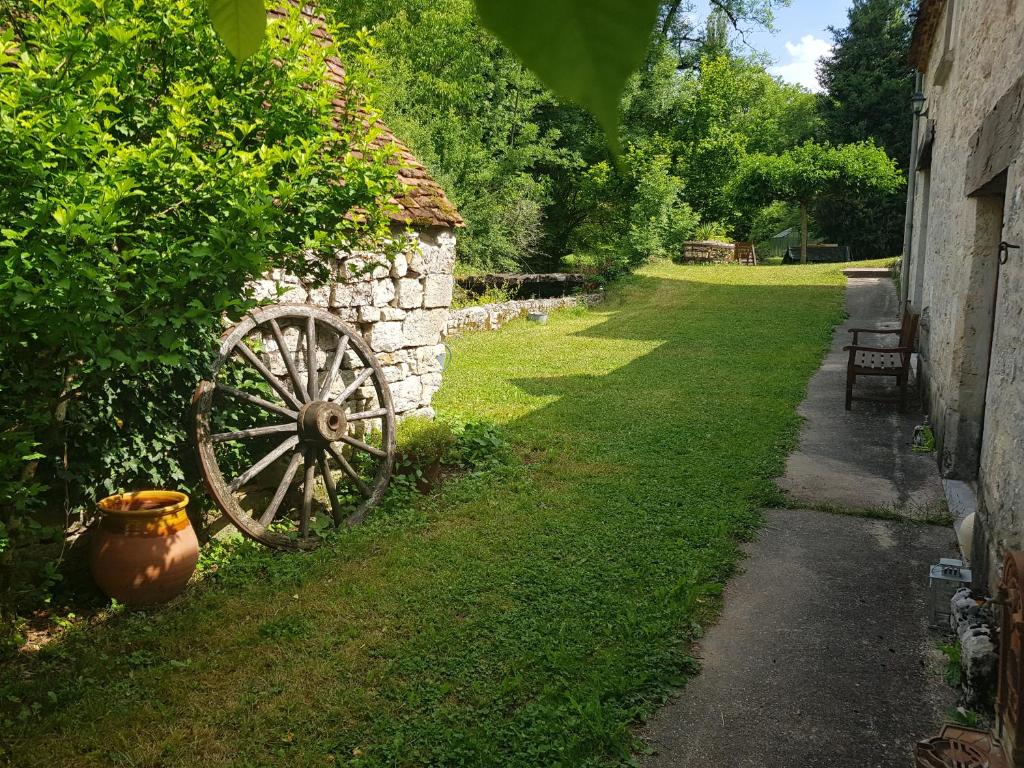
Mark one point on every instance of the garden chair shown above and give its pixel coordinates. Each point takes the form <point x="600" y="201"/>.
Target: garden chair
<point x="882" y="361"/>
<point x="746" y="254"/>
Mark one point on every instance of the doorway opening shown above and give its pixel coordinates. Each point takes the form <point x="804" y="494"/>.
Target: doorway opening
<point x="961" y="450"/>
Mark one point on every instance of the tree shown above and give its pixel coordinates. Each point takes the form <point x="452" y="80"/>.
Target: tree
<point x="471" y="112"/>
<point x="630" y="211"/>
<point x="678" y="22"/>
<point x="584" y="52"/>
<point x="868" y="80"/>
<point x="733" y="106"/>
<point x="812" y="172"/>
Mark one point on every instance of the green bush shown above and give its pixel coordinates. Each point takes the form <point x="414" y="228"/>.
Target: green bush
<point x="425" y="440"/>
<point x="478" y="445"/>
<point x="712" y="230"/>
<point x="471" y="445"/>
<point x="631" y="212"/>
<point x="462" y="298"/>
<point x="145" y="179"/>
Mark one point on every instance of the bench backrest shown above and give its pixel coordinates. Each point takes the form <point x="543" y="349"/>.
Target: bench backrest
<point x="746" y="254"/>
<point x="908" y="331"/>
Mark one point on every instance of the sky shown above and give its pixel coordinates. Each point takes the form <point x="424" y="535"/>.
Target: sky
<point x="800" y="38"/>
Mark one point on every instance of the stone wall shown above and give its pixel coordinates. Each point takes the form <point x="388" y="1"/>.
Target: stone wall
<point x="400" y="307"/>
<point x="549" y="285"/>
<point x="970" y="303"/>
<point x="490" y="317"/>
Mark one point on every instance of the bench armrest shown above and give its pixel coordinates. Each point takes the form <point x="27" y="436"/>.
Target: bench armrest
<point x="857" y="331"/>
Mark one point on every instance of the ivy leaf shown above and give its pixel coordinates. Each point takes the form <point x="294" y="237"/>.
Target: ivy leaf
<point x="240" y="24"/>
<point x="583" y="50"/>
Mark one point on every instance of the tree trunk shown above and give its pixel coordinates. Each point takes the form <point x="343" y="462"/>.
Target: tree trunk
<point x="803" y="232"/>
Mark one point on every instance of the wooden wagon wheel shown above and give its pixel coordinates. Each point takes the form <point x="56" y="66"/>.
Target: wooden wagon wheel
<point x="294" y="388"/>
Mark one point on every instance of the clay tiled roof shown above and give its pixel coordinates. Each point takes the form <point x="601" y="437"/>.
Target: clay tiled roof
<point x="423" y="203"/>
<point x="929" y="12"/>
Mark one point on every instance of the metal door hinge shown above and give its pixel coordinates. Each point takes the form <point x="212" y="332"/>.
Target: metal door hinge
<point x="1004" y="251"/>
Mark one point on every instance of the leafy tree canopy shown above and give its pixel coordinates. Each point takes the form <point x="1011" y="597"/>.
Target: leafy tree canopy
<point x="584" y="50"/>
<point x="867" y="80"/>
<point x="811" y="172"/>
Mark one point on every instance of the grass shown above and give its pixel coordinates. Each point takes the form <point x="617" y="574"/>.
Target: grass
<point x="526" y="615"/>
<point x="925" y="514"/>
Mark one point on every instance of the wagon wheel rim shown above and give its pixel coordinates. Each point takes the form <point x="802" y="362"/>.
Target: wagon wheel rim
<point x="312" y="409"/>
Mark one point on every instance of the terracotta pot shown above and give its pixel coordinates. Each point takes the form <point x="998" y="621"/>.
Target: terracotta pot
<point x="144" y="549"/>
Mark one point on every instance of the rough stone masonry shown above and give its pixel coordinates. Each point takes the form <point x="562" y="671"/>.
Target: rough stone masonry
<point x="969" y="198"/>
<point x="400" y="307"/>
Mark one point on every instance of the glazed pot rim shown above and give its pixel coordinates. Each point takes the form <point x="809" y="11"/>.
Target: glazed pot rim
<point x="170" y="502"/>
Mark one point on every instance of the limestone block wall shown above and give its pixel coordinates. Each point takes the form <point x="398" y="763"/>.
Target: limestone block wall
<point x="400" y="307"/>
<point x="970" y="303"/>
<point x="490" y="317"/>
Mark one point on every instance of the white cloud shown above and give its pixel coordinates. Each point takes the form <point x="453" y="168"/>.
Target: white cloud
<point x="803" y="61"/>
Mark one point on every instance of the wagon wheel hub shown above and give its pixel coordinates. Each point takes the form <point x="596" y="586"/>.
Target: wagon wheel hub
<point x="322" y="423"/>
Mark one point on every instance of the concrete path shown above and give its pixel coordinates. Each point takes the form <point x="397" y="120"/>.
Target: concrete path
<point x="861" y="459"/>
<point x="822" y="657"/>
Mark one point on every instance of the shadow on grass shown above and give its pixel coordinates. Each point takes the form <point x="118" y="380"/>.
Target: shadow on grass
<point x="523" y="616"/>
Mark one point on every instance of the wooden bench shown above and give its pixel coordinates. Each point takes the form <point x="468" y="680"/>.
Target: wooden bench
<point x="882" y="361"/>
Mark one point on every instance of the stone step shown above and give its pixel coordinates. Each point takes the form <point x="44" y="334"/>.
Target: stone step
<point x="859" y="272"/>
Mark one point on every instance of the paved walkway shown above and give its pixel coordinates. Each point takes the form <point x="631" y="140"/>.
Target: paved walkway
<point x="861" y="459"/>
<point x="822" y="657"/>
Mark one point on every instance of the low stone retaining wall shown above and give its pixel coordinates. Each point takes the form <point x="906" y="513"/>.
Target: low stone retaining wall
<point x="490" y="317"/>
<point x="526" y="286"/>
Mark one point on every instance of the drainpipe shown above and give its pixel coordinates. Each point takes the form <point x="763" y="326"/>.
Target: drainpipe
<point x="916" y="101"/>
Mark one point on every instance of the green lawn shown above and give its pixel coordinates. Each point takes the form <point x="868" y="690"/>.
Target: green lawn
<point x="523" y="616"/>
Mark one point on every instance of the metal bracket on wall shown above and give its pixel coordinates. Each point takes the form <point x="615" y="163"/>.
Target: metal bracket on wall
<point x="1004" y="251"/>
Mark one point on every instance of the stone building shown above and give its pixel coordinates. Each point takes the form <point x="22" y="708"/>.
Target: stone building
<point x="965" y="271"/>
<point x="400" y="305"/>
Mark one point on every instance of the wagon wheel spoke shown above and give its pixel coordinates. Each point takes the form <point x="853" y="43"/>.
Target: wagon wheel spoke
<point x="307" y="493"/>
<point x="266" y="373"/>
<point x="293" y="372"/>
<point x="357" y="443"/>
<point x="332" y="487"/>
<point x="286" y="480"/>
<point x="245" y="434"/>
<point x="377" y="413"/>
<point x="239" y="394"/>
<point x="332" y="371"/>
<point x="301" y="429"/>
<point x="348" y="470"/>
<point x="311" y="347"/>
<point x="263" y="463"/>
<point x="356" y="384"/>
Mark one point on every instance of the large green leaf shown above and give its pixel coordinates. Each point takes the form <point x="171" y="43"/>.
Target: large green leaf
<point x="240" y="24"/>
<point x="583" y="50"/>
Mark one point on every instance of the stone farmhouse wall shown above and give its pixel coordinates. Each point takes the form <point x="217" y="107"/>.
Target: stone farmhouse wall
<point x="970" y="196"/>
<point x="400" y="307"/>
